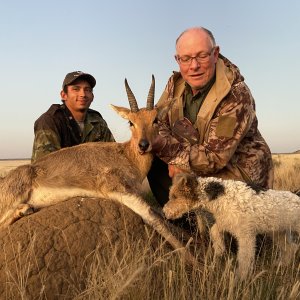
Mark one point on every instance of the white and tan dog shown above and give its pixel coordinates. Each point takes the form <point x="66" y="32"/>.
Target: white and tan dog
<point x="241" y="210"/>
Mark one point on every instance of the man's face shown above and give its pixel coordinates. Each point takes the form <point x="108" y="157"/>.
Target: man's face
<point x="79" y="96"/>
<point x="197" y="72"/>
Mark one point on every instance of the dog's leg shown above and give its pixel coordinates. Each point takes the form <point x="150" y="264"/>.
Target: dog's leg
<point x="246" y="254"/>
<point x="217" y="239"/>
<point x="201" y="224"/>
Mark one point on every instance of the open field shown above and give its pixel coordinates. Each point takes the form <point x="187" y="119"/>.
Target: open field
<point x="287" y="171"/>
<point x="142" y="274"/>
<point x="7" y="165"/>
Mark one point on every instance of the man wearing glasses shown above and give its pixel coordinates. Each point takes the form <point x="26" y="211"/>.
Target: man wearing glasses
<point x="211" y="128"/>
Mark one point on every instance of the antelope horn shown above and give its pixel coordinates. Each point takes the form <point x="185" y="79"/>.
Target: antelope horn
<point x="150" y="99"/>
<point x="131" y="99"/>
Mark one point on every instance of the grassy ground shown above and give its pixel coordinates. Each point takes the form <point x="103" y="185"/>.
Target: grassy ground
<point x="7" y="165"/>
<point x="146" y="275"/>
<point x="287" y="171"/>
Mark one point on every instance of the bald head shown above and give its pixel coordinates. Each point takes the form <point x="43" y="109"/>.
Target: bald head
<point x="195" y="33"/>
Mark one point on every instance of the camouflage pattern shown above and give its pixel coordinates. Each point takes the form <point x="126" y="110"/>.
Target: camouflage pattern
<point x="230" y="145"/>
<point x="57" y="129"/>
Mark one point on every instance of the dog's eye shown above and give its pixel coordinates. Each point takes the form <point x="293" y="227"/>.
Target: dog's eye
<point x="130" y="123"/>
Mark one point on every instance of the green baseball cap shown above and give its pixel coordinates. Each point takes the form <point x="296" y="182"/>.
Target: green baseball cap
<point x="71" y="77"/>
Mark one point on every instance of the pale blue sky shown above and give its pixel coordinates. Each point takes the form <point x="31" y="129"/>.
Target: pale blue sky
<point x="41" y="41"/>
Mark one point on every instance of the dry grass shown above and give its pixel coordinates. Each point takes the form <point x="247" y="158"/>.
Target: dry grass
<point x="7" y="165"/>
<point x="142" y="274"/>
<point x="287" y="171"/>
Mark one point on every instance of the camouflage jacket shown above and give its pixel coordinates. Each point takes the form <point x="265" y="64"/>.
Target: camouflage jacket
<point x="56" y="129"/>
<point x="230" y="145"/>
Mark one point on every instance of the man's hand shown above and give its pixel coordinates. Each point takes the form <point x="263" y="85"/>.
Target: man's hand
<point x="173" y="170"/>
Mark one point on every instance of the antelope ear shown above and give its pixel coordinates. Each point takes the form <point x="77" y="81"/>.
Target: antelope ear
<point x="122" y="111"/>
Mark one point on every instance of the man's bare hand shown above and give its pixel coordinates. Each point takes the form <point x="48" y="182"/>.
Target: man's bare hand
<point x="173" y="170"/>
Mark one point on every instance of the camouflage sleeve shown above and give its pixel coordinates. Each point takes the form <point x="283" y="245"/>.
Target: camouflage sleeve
<point x="46" y="139"/>
<point x="106" y="135"/>
<point x="174" y="151"/>
<point x="98" y="132"/>
<point x="230" y="124"/>
<point x="226" y="130"/>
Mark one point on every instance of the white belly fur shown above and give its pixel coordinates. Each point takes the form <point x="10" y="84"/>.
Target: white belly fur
<point x="43" y="196"/>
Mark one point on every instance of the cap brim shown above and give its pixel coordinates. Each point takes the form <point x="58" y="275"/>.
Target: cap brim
<point x="84" y="76"/>
<point x="89" y="78"/>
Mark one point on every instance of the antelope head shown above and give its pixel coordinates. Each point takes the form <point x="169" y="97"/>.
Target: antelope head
<point x="143" y="122"/>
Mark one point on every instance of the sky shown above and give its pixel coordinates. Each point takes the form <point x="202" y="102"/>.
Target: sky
<point x="41" y="41"/>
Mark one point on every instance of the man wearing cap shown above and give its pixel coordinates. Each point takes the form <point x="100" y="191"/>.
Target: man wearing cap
<point x="72" y="122"/>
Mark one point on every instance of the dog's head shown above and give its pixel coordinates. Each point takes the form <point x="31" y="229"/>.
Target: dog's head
<point x="182" y="196"/>
<point x="189" y="192"/>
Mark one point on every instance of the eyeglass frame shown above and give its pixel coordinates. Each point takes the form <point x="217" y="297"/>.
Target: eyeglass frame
<point x="197" y="58"/>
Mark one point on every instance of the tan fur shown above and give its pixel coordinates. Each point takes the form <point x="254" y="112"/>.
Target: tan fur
<point x="108" y="170"/>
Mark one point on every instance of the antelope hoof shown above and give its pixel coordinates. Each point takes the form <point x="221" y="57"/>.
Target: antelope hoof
<point x="22" y="211"/>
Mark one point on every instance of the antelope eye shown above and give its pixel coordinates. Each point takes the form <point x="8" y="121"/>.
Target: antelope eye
<point x="130" y="123"/>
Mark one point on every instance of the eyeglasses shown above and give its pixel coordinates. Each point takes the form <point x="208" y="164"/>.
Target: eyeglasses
<point x="200" y="58"/>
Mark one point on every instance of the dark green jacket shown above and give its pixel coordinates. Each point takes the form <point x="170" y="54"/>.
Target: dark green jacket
<point x="56" y="129"/>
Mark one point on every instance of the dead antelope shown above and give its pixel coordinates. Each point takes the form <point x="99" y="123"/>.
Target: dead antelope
<point x="108" y="170"/>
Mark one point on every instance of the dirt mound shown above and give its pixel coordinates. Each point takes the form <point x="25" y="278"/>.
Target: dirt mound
<point x="50" y="252"/>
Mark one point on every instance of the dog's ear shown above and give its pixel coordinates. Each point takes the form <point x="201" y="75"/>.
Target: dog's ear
<point x="191" y="181"/>
<point x="185" y="179"/>
<point x="180" y="179"/>
<point x="186" y="184"/>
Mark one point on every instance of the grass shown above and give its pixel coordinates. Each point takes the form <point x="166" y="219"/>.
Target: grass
<point x="286" y="171"/>
<point x="144" y="273"/>
<point x="157" y="278"/>
<point x="7" y="165"/>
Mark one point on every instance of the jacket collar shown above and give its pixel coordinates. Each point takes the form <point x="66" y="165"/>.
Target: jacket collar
<point x="224" y="80"/>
